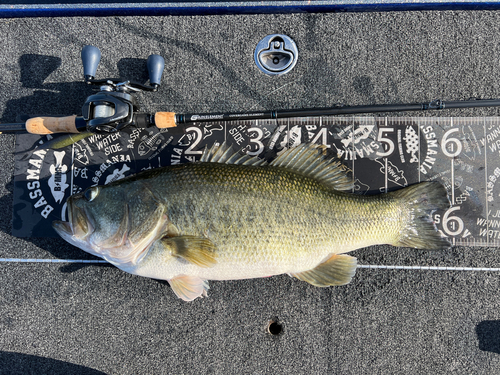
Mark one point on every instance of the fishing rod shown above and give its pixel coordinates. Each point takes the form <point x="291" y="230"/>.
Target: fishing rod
<point x="114" y="107"/>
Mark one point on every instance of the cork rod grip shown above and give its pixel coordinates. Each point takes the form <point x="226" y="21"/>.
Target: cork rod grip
<point x="165" y="120"/>
<point x="50" y="125"/>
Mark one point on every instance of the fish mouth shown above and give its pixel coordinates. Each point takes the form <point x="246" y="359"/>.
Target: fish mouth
<point x="78" y="227"/>
<point x="63" y="228"/>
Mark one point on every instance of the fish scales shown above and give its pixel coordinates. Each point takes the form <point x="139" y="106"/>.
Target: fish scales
<point x="216" y="221"/>
<point x="266" y="220"/>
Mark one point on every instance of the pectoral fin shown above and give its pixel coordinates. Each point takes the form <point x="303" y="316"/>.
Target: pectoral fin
<point x="336" y="270"/>
<point x="189" y="288"/>
<point x="196" y="250"/>
<point x="172" y="231"/>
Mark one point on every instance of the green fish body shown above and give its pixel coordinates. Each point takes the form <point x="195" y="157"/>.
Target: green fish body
<point x="231" y="217"/>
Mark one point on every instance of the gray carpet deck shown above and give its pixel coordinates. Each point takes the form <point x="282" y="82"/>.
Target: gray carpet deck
<point x="96" y="319"/>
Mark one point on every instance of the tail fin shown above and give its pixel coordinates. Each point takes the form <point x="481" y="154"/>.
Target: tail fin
<point x="421" y="200"/>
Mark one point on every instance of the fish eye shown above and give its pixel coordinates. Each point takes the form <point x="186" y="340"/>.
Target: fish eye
<point x="91" y="193"/>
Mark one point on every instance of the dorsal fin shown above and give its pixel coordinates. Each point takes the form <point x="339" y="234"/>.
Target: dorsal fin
<point x="309" y="160"/>
<point x="226" y="155"/>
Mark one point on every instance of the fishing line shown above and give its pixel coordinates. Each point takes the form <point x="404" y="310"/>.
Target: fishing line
<point x="429" y="268"/>
<point x="368" y="266"/>
<point x="266" y="97"/>
<point x="29" y="260"/>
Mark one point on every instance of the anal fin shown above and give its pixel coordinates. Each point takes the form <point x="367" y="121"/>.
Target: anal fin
<point x="336" y="270"/>
<point x="189" y="288"/>
<point x="196" y="250"/>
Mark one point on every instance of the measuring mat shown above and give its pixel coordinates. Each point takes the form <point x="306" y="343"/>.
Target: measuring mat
<point x="382" y="153"/>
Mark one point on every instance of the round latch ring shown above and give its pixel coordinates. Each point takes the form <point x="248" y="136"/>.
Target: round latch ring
<point x="276" y="54"/>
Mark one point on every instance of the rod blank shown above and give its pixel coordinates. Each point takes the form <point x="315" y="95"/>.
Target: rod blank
<point x="334" y="111"/>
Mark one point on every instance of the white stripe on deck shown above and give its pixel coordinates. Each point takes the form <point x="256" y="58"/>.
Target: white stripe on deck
<point x="369" y="266"/>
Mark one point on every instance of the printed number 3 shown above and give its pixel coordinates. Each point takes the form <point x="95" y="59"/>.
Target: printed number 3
<point x="257" y="140"/>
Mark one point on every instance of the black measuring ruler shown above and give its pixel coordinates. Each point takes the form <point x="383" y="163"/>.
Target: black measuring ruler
<point x="383" y="154"/>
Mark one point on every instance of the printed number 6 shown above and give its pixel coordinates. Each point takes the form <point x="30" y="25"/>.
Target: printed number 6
<point x="446" y="141"/>
<point x="447" y="218"/>
<point x="390" y="142"/>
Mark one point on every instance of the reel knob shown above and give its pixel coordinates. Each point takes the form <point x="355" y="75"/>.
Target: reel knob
<point x="156" y="64"/>
<point x="90" y="59"/>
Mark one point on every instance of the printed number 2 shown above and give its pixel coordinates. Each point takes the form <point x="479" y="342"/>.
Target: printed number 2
<point x="197" y="139"/>
<point x="388" y="141"/>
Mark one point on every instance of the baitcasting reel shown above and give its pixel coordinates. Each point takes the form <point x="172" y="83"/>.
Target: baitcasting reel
<point x="114" y="107"/>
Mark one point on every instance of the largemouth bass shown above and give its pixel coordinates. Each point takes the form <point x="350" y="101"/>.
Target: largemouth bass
<point x="234" y="217"/>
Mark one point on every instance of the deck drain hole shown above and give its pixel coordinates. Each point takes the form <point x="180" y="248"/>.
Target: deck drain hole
<point x="274" y="328"/>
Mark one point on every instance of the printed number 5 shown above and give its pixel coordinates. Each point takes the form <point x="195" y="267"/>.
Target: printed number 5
<point x="388" y="141"/>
